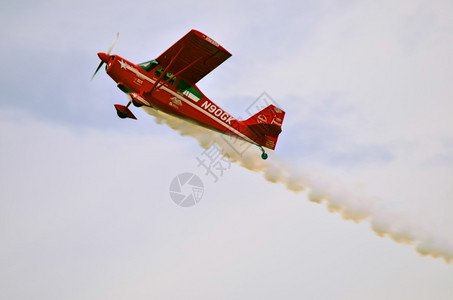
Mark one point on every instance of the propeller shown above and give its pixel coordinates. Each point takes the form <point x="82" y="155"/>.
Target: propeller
<point x="105" y="56"/>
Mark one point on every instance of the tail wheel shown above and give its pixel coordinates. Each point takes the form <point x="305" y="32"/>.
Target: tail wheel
<point x="263" y="153"/>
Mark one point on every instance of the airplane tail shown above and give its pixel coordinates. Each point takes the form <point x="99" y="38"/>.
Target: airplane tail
<point x="265" y="126"/>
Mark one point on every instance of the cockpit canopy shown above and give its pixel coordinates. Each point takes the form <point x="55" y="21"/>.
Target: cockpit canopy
<point x="182" y="86"/>
<point x="149" y="65"/>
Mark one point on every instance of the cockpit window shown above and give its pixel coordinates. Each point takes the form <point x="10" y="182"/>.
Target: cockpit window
<point x="182" y="86"/>
<point x="158" y="72"/>
<point x="149" y="65"/>
<point x="166" y="77"/>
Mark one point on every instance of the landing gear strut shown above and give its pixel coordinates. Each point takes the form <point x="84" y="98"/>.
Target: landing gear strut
<point x="263" y="153"/>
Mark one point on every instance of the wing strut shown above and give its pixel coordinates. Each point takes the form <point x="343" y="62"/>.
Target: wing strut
<point x="165" y="72"/>
<point x="179" y="72"/>
<point x="159" y="81"/>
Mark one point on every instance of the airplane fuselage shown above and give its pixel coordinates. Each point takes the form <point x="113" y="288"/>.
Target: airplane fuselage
<point x="168" y="84"/>
<point x="174" y="96"/>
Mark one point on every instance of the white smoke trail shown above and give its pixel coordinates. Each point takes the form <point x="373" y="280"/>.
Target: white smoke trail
<point x="336" y="196"/>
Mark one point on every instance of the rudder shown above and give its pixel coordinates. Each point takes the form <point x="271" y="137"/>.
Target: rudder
<point x="265" y="126"/>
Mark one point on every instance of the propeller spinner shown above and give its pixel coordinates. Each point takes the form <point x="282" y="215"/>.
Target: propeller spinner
<point x="105" y="56"/>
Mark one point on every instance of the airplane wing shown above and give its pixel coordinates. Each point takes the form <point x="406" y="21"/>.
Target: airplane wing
<point x="193" y="56"/>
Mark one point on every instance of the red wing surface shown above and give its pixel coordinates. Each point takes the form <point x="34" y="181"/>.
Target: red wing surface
<point x="193" y="56"/>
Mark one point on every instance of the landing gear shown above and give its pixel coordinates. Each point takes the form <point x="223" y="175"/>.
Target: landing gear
<point x="124" y="112"/>
<point x="263" y="154"/>
<point x="136" y="104"/>
<point x="121" y="115"/>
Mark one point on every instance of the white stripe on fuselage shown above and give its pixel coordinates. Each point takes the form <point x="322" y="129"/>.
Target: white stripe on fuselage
<point x="126" y="66"/>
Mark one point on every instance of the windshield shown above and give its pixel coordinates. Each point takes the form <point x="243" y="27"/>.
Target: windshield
<point x="149" y="65"/>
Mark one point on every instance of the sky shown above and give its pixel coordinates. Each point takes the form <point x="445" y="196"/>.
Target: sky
<point x="355" y="203"/>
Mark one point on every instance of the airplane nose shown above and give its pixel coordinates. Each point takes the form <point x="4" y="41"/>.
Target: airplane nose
<point x="104" y="57"/>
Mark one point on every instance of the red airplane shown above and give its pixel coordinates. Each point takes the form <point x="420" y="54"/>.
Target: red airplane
<point x="168" y="84"/>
